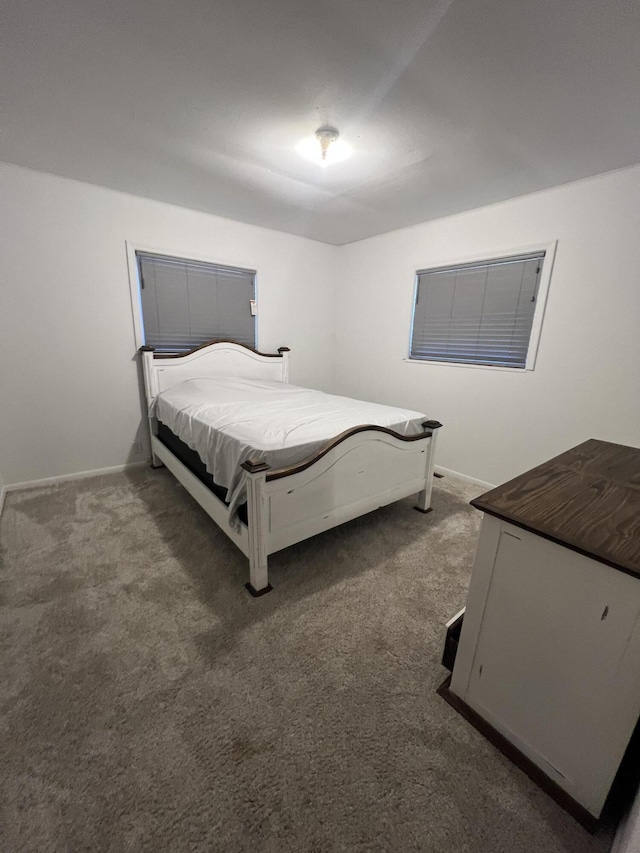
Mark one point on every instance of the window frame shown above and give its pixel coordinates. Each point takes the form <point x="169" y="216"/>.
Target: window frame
<point x="181" y="254"/>
<point x="549" y="248"/>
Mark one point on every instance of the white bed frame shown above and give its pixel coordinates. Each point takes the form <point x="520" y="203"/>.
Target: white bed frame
<point x="356" y="472"/>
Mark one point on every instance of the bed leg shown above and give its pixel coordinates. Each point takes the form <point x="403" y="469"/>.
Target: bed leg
<point x="258" y="520"/>
<point x="258" y="583"/>
<point x="424" y="497"/>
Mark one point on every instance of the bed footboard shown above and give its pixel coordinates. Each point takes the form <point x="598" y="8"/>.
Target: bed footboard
<point x="360" y="471"/>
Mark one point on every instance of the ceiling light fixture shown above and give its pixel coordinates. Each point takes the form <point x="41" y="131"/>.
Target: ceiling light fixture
<point x="332" y="149"/>
<point x="325" y="136"/>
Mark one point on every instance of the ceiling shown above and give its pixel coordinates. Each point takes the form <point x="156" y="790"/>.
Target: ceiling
<point x="447" y="104"/>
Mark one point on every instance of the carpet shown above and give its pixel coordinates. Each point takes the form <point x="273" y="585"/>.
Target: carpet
<point x="150" y="704"/>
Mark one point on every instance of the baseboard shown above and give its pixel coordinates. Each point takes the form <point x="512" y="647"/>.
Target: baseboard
<point x="79" y="475"/>
<point x="447" y="472"/>
<point x="118" y="469"/>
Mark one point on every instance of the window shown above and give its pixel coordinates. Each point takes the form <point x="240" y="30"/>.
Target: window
<point x="186" y="303"/>
<point x="485" y="313"/>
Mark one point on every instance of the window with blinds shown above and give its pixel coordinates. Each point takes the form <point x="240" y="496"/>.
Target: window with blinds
<point x="186" y="303"/>
<point x="477" y="313"/>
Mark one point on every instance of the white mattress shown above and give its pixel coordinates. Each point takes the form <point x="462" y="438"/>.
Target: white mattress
<point x="227" y="421"/>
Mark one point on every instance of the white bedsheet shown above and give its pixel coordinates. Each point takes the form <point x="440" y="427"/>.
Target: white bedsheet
<point x="227" y="421"/>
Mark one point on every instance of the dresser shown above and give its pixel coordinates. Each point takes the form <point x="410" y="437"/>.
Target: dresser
<point x="548" y="661"/>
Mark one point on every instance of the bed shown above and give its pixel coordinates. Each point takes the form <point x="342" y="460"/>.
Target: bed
<point x="271" y="463"/>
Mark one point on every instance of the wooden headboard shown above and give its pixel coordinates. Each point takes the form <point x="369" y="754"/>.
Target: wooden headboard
<point x="215" y="358"/>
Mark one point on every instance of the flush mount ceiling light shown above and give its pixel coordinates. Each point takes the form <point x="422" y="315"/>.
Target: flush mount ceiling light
<point x="325" y="147"/>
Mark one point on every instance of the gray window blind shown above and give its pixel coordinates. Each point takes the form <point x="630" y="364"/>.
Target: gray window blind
<point x="186" y="303"/>
<point x="479" y="313"/>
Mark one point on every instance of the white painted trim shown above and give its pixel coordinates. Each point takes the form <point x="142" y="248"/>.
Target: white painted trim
<point x="448" y="472"/>
<point x="458" y="364"/>
<point x="134" y="281"/>
<point x="79" y="475"/>
<point x="134" y="292"/>
<point x="541" y="303"/>
<point x="549" y="249"/>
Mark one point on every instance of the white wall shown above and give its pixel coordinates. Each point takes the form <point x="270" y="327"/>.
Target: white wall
<point x="587" y="378"/>
<point x="69" y="391"/>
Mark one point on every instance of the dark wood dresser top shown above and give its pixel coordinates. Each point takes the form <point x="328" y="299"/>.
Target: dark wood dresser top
<point x="587" y="499"/>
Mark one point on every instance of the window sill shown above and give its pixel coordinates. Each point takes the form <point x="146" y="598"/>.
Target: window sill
<point x="468" y="366"/>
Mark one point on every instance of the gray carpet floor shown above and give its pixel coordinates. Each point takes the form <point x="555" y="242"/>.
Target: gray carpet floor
<point x="150" y="704"/>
